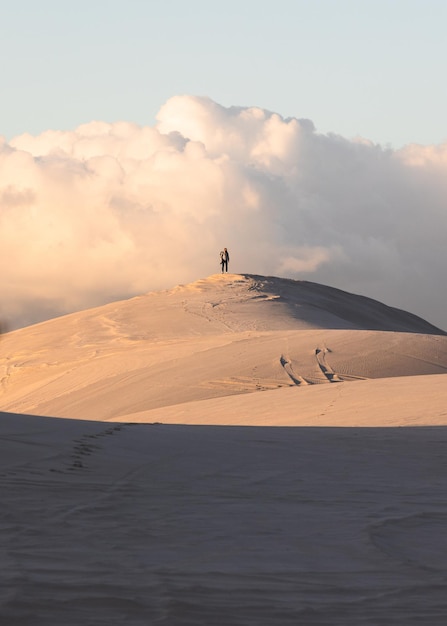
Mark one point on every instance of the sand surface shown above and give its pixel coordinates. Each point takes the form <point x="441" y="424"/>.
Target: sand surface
<point x="242" y="450"/>
<point x="179" y="525"/>
<point x="222" y="336"/>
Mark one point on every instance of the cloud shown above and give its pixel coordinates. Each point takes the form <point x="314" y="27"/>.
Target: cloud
<point x="111" y="210"/>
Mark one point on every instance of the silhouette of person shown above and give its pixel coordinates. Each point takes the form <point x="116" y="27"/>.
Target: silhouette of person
<point x="224" y="258"/>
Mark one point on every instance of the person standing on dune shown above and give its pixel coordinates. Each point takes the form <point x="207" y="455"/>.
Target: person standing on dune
<point x="224" y="258"/>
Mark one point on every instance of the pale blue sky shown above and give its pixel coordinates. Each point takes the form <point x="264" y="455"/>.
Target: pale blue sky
<point x="374" y="68"/>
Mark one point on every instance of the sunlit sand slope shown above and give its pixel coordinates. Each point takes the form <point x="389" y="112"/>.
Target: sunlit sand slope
<point x="221" y="336"/>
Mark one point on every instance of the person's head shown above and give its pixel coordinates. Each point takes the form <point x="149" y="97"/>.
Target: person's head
<point x="225" y="249"/>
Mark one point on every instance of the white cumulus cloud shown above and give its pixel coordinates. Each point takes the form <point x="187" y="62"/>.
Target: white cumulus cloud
<point x="111" y="210"/>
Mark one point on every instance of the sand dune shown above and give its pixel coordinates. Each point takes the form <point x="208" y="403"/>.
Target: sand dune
<point x="274" y="455"/>
<point x="225" y="335"/>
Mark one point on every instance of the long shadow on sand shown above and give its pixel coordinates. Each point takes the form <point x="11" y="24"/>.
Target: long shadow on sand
<point x="186" y="525"/>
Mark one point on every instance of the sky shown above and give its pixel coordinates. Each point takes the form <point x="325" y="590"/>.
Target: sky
<point x="139" y="138"/>
<point x="373" y="68"/>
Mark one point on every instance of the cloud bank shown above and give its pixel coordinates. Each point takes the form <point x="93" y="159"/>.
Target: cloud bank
<point x="112" y="210"/>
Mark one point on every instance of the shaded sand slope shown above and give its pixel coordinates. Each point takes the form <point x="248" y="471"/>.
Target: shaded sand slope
<point x="221" y="336"/>
<point x="113" y="524"/>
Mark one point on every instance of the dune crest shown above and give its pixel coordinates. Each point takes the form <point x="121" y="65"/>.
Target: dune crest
<point x="301" y="304"/>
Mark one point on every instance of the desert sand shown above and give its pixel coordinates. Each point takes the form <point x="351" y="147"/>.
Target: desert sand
<point x="240" y="450"/>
